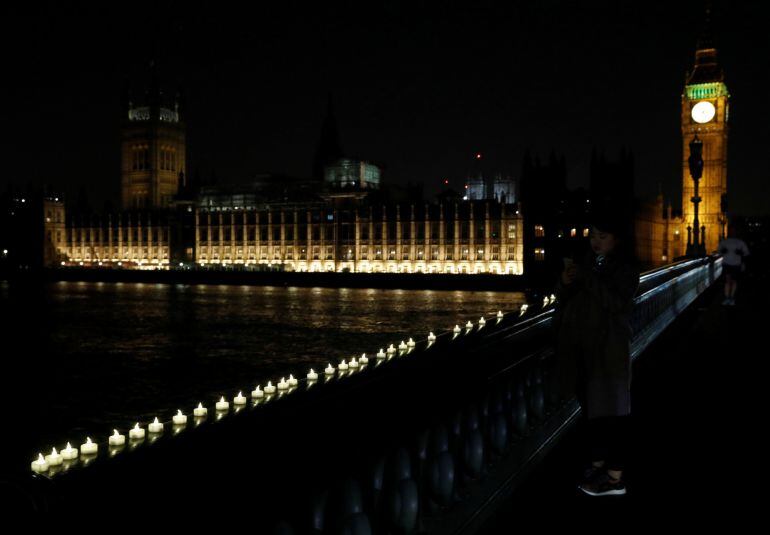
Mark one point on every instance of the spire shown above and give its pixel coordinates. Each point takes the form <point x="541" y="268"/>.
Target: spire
<point x="329" y="149"/>
<point x="706" y="68"/>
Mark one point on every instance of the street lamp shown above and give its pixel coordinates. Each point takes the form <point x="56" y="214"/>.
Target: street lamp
<point x="696" y="234"/>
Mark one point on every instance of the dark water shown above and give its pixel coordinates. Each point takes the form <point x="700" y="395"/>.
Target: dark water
<point x="82" y="358"/>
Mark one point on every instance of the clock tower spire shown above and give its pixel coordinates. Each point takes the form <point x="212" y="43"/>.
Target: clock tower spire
<point x="705" y="113"/>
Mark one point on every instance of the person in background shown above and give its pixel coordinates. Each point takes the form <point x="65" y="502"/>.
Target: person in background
<point x="733" y="251"/>
<point x="592" y="321"/>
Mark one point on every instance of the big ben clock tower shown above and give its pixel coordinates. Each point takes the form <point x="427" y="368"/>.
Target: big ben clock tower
<point x="705" y="112"/>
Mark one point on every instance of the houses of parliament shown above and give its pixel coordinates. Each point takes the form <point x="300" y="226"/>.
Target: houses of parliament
<point x="347" y="218"/>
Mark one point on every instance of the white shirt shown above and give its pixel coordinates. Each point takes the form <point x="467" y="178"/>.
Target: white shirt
<point x="733" y="250"/>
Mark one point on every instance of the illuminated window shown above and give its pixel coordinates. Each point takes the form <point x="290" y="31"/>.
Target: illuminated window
<point x="330" y="253"/>
<point x="539" y="231"/>
<point x="364" y="253"/>
<point x="464" y="255"/>
<point x="434" y="253"/>
<point x="573" y="232"/>
<point x="392" y="254"/>
<point x="585" y="232"/>
<point x="480" y="254"/>
<point x="495" y="253"/>
<point x="539" y="254"/>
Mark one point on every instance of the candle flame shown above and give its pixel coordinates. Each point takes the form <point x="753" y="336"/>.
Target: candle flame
<point x="311" y="370"/>
<point x="222" y="400"/>
<point x="200" y="405"/>
<point x="40" y="458"/>
<point x="53" y="451"/>
<point x="179" y="412"/>
<point x="115" y="433"/>
<point x="240" y="395"/>
<point x="69" y="447"/>
<point x="136" y="426"/>
<point x="88" y="440"/>
<point x="155" y="421"/>
<point x="291" y="377"/>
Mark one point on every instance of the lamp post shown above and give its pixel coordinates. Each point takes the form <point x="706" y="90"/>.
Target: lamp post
<point x="696" y="238"/>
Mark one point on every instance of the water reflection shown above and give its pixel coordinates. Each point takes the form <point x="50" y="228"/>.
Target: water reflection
<point x="117" y="353"/>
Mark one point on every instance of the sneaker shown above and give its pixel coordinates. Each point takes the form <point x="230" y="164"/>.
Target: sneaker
<point x="602" y="485"/>
<point x="590" y="473"/>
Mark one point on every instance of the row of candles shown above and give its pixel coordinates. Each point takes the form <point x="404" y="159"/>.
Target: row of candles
<point x="89" y="449"/>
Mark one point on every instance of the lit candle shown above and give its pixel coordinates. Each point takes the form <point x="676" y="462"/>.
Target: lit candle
<point x="89" y="448"/>
<point x="545" y="301"/>
<point x="155" y="426"/>
<point x="499" y="315"/>
<point x="363" y="359"/>
<point x="270" y="388"/>
<point x="240" y="399"/>
<point x="282" y="384"/>
<point x="312" y="375"/>
<point x="482" y="322"/>
<point x="469" y="325"/>
<point x="523" y="309"/>
<point x="292" y="380"/>
<point x="391" y="349"/>
<point x="117" y="439"/>
<point x="222" y="405"/>
<point x="179" y="418"/>
<point x="137" y="433"/>
<point x="431" y="337"/>
<point x="55" y="458"/>
<point x="402" y="346"/>
<point x="257" y="393"/>
<point x="40" y="465"/>
<point x="410" y="343"/>
<point x="457" y="329"/>
<point x="69" y="452"/>
<point x="553" y="298"/>
<point x="353" y="363"/>
<point x="343" y="365"/>
<point x="200" y="410"/>
<point x="329" y="370"/>
<point x="381" y="354"/>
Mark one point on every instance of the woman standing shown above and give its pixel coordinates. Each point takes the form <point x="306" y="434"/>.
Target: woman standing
<point x="595" y="297"/>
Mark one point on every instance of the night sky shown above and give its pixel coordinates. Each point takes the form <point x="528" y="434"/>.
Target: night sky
<point x="418" y="87"/>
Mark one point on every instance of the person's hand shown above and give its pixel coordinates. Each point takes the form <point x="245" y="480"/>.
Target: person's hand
<point x="569" y="274"/>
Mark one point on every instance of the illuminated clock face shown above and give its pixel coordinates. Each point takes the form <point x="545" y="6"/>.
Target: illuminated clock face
<point x="703" y="112"/>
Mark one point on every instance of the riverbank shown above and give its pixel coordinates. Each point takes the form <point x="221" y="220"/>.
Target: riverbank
<point x="406" y="281"/>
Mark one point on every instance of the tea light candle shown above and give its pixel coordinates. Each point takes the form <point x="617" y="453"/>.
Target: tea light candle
<point x="457" y="329"/>
<point x="69" y="452"/>
<point x="329" y="370"/>
<point x="240" y="399"/>
<point x="270" y="388"/>
<point x="222" y="405"/>
<point x="292" y="380"/>
<point x="55" y="458"/>
<point x="89" y="448"/>
<point x="257" y="393"/>
<point x="499" y="315"/>
<point x="179" y="418"/>
<point x="363" y="359"/>
<point x="40" y="465"/>
<point x="343" y="365"/>
<point x="431" y="337"/>
<point x="137" y="433"/>
<point x="311" y="375"/>
<point x="155" y="426"/>
<point x="200" y="410"/>
<point x="117" y="439"/>
<point x="402" y="346"/>
<point x="469" y="325"/>
<point x="482" y="322"/>
<point x="391" y="349"/>
<point x="353" y="363"/>
<point x="381" y="354"/>
<point x="410" y="343"/>
<point x="282" y="384"/>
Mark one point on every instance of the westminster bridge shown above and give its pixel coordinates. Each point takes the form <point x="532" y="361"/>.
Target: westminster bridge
<point x="460" y="432"/>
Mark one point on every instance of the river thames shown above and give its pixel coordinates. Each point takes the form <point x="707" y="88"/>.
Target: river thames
<point x="83" y="358"/>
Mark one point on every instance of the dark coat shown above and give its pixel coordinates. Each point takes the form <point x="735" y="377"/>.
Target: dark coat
<point x="593" y="334"/>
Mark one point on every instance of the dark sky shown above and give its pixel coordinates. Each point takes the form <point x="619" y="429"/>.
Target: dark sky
<point x="419" y="87"/>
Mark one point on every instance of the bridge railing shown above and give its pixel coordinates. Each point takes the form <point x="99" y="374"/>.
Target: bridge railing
<point x="428" y="439"/>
